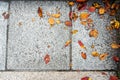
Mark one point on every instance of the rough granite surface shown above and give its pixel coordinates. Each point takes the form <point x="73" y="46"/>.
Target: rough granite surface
<point x="3" y="30"/>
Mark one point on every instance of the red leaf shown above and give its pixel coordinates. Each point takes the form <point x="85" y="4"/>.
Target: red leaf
<point x="116" y="59"/>
<point x="68" y="23"/>
<point x="47" y="58"/>
<point x="84" y="56"/>
<point x="70" y="15"/>
<point x="81" y="44"/>
<point x="113" y="78"/>
<point x="81" y="1"/>
<point x="91" y="9"/>
<point x="85" y="78"/>
<point x="81" y="6"/>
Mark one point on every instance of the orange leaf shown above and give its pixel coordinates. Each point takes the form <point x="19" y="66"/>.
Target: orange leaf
<point x="40" y="13"/>
<point x="84" y="56"/>
<point x="93" y="33"/>
<point x="70" y="3"/>
<point x="84" y="15"/>
<point x="68" y="23"/>
<point x="67" y="43"/>
<point x="47" y="58"/>
<point x="101" y="10"/>
<point x="51" y="21"/>
<point x="56" y="15"/>
<point x="84" y="23"/>
<point x="103" y="56"/>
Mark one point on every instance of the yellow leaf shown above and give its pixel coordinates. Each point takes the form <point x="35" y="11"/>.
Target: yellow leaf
<point x="51" y="21"/>
<point x="58" y="21"/>
<point x="70" y="3"/>
<point x="84" y="23"/>
<point x="101" y="10"/>
<point x="74" y="31"/>
<point x="56" y="15"/>
<point x="115" y="45"/>
<point x="95" y="54"/>
<point x="103" y="56"/>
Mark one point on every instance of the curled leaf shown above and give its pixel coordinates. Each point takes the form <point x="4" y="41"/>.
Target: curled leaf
<point x="115" y="45"/>
<point x="47" y="58"/>
<point x="68" y="23"/>
<point x="56" y="15"/>
<point x="95" y="54"/>
<point x="101" y="10"/>
<point x="93" y="33"/>
<point x="84" y="16"/>
<point x="81" y="44"/>
<point x="40" y="13"/>
<point x="83" y="55"/>
<point x="112" y="77"/>
<point x="116" y="59"/>
<point x="74" y="31"/>
<point x="103" y="56"/>
<point x="67" y="43"/>
<point x="51" y="21"/>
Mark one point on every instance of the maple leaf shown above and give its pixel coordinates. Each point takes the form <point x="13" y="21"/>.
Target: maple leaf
<point x="47" y="58"/>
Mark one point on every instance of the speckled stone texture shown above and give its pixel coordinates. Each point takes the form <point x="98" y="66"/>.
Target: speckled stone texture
<point x="102" y="43"/>
<point x="3" y="29"/>
<point x="54" y="75"/>
<point x="31" y="38"/>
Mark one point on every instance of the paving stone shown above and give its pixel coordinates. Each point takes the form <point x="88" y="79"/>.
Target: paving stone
<point x="54" y="75"/>
<point x="31" y="38"/>
<point x="3" y="29"/>
<point x="102" y="43"/>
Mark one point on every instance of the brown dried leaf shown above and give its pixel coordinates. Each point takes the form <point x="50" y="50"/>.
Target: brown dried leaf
<point x="40" y="13"/>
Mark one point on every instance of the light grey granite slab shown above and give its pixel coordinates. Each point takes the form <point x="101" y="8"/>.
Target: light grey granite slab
<point x="30" y="41"/>
<point x="55" y="75"/>
<point x="102" y="43"/>
<point x="3" y="31"/>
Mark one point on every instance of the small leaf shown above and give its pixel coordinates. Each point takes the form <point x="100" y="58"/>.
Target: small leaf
<point x="103" y="56"/>
<point x="71" y="3"/>
<point x="81" y="6"/>
<point x="101" y="11"/>
<point x="91" y="9"/>
<point x="67" y="43"/>
<point x="93" y="33"/>
<point x="116" y="59"/>
<point x="56" y="15"/>
<point x="47" y="58"/>
<point x="84" y="56"/>
<point x="40" y="13"/>
<point x="95" y="54"/>
<point x="115" y="45"/>
<point x="84" y="16"/>
<point x="84" y="23"/>
<point x="74" y="31"/>
<point x="81" y="1"/>
<point x="96" y="5"/>
<point x="68" y="23"/>
<point x="51" y="21"/>
<point x="85" y="78"/>
<point x="113" y="77"/>
<point x="81" y="44"/>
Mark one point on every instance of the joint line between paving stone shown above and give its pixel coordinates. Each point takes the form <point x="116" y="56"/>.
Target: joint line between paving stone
<point x="7" y="35"/>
